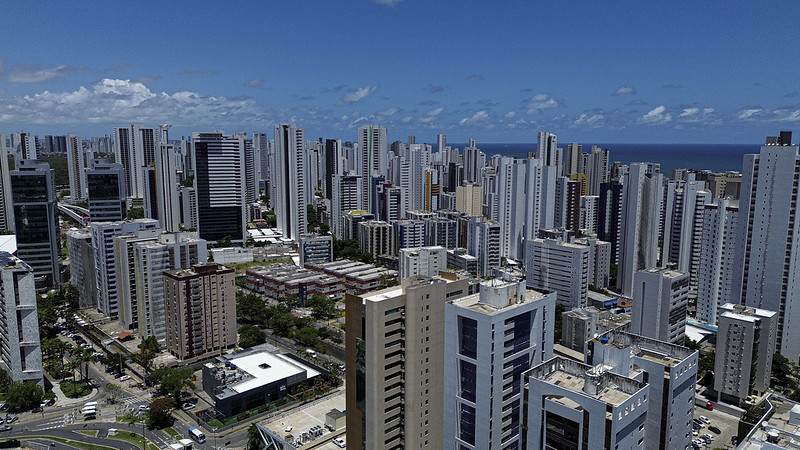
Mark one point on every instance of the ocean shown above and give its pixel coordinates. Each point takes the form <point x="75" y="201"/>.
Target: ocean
<point x="714" y="157"/>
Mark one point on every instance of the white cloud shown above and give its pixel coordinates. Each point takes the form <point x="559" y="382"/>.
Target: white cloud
<point x="389" y="112"/>
<point x="357" y="95"/>
<point x="697" y="115"/>
<point x="656" y="115"/>
<point x="786" y="114"/>
<point x="541" y="101"/>
<point x="625" y="90"/>
<point x="387" y="2"/>
<point x="479" y="116"/>
<point x="254" y="82"/>
<point x="406" y="119"/>
<point x="595" y="120"/>
<point x="31" y="74"/>
<point x="510" y="114"/>
<point x="436" y="111"/>
<point x="748" y="113"/>
<point x="120" y="101"/>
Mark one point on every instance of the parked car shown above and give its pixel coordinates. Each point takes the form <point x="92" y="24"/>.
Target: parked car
<point x="705" y="419"/>
<point x="339" y="442"/>
<point x="37" y="409"/>
<point x="124" y="378"/>
<point x="6" y="428"/>
<point x="714" y="430"/>
<point x="11" y="419"/>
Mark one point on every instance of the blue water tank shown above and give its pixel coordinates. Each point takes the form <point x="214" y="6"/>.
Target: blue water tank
<point x="604" y="340"/>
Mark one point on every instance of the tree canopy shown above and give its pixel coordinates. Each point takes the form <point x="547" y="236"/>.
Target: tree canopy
<point x="21" y="396"/>
<point x="172" y="381"/>
<point x="160" y="413"/>
<point x="250" y="335"/>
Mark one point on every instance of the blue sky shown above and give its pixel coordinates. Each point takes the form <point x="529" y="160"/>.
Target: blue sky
<point x="499" y="71"/>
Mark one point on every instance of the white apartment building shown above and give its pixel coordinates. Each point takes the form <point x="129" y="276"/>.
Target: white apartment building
<point x="563" y="267"/>
<point x="491" y="339"/>
<point x="717" y="258"/>
<point x="428" y="261"/>
<point x="20" y="347"/>
<point x="660" y="299"/>
<point x="76" y="164"/>
<point x="290" y="181"/>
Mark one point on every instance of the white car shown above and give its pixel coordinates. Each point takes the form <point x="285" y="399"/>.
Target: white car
<point x="705" y="419"/>
<point x="288" y="429"/>
<point x="339" y="442"/>
<point x="125" y="378"/>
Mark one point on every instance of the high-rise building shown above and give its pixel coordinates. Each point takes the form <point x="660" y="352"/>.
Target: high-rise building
<point x="290" y="181"/>
<point x="671" y="372"/>
<point x="36" y="222"/>
<point x="575" y="405"/>
<point x="745" y="345"/>
<point x="469" y="199"/>
<point x="660" y="299"/>
<point x="768" y="239"/>
<point x="597" y="168"/>
<point x="717" y="258"/>
<point x="427" y="261"/>
<point x="510" y="206"/>
<point x="334" y="164"/>
<point x="24" y="145"/>
<point x="474" y="160"/>
<point x="20" y="347"/>
<point x="105" y="184"/>
<point x="6" y="202"/>
<point x="395" y="354"/>
<point x="554" y="265"/>
<point x="409" y="233"/>
<point x="567" y="206"/>
<point x="219" y="186"/>
<point x="200" y="310"/>
<point x="589" y="209"/>
<point x="483" y="242"/>
<point x="376" y="237"/>
<point x="76" y="164"/>
<point x="442" y="232"/>
<point x="81" y="267"/>
<point x="252" y="169"/>
<point x="640" y="216"/>
<point x="105" y="266"/>
<point x="374" y="147"/>
<point x="540" y="194"/>
<point x="683" y="226"/>
<point x="135" y="148"/>
<point x="491" y="339"/>
<point x="573" y="154"/>
<point x="548" y="151"/>
<point x="348" y="195"/>
<point x="167" y="166"/>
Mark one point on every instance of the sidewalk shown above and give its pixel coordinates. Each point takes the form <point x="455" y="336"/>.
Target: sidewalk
<point x="63" y="400"/>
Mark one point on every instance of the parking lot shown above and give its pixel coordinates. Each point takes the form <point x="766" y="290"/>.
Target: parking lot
<point x="726" y="423"/>
<point x="305" y="418"/>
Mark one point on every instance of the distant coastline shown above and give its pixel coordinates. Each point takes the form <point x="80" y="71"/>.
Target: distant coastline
<point x="714" y="157"/>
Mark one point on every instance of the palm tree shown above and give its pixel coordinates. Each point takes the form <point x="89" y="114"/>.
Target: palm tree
<point x="254" y="441"/>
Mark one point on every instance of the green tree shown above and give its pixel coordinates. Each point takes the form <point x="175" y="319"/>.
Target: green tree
<point x="322" y="307"/>
<point x="172" y="381"/>
<point x="254" y="441"/>
<point x="784" y="371"/>
<point x="148" y="350"/>
<point x="306" y="336"/>
<point x="250" y="307"/>
<point x="612" y="275"/>
<point x="5" y="381"/>
<point x="160" y="413"/>
<point x="706" y="362"/>
<point x="112" y="392"/>
<point x="188" y="181"/>
<point x="282" y="323"/>
<point x="136" y="212"/>
<point x="250" y="335"/>
<point x="223" y="242"/>
<point x="25" y="395"/>
<point x="388" y="280"/>
<point x="312" y="218"/>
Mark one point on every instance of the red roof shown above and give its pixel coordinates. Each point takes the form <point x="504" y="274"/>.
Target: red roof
<point x="125" y="335"/>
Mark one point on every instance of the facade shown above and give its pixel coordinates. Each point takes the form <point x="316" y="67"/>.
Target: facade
<point x="671" y="372"/>
<point x="427" y="261"/>
<point x="540" y="194"/>
<point x="373" y="146"/>
<point x="6" y="201"/>
<point x="377" y="238"/>
<point x="76" y="164"/>
<point x="492" y="338"/>
<point x="581" y="324"/>
<point x="660" y="299"/>
<point x="461" y="260"/>
<point x="81" y="267"/>
<point x="554" y="265"/>
<point x="348" y="195"/>
<point x="745" y="345"/>
<point x="105" y="184"/>
<point x="135" y="148"/>
<point x="24" y="145"/>
<point x="483" y="242"/>
<point x="768" y="239"/>
<point x="395" y="353"/>
<point x="469" y="199"/>
<point x="641" y="212"/>
<point x="219" y="185"/>
<point x="200" y="310"/>
<point x="36" y="223"/>
<point x="168" y="164"/>
<point x="105" y="265"/>
<point x="442" y="232"/>
<point x="509" y="209"/>
<point x="573" y="405"/>
<point x="290" y="199"/>
<point x="717" y="258"/>
<point x="315" y="249"/>
<point x="20" y="347"/>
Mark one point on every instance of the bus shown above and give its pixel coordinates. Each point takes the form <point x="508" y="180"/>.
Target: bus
<point x="89" y="413"/>
<point x="88" y="404"/>
<point x="197" y="435"/>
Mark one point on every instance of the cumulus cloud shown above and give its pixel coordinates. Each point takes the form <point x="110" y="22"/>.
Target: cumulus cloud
<point x="542" y="101"/>
<point x="783" y="114"/>
<point x="474" y="77"/>
<point x="594" y="120"/>
<point x="625" y="90"/>
<point x="698" y="115"/>
<point x="479" y="116"/>
<point x="125" y="101"/>
<point x="389" y="112"/>
<point x="510" y="114"/>
<point x="254" y="82"/>
<point x="436" y="111"/>
<point x="406" y="119"/>
<point x="749" y="113"/>
<point x="36" y="74"/>
<point x="198" y="73"/>
<point x="656" y="115"/>
<point x="357" y="95"/>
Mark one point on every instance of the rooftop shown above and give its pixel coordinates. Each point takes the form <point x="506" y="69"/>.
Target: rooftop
<point x="259" y="369"/>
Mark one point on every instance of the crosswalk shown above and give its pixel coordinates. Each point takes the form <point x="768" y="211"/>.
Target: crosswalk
<point x="57" y="422"/>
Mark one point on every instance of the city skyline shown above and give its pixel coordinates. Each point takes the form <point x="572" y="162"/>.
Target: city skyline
<point x="710" y="72"/>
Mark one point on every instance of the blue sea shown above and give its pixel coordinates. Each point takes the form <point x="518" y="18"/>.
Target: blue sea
<point x="714" y="157"/>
